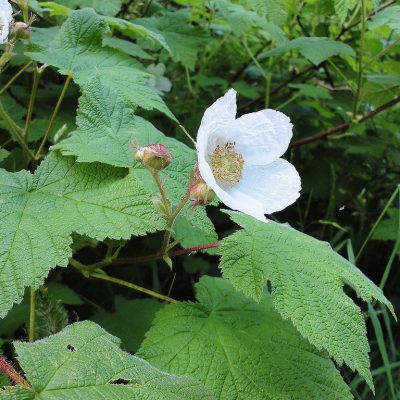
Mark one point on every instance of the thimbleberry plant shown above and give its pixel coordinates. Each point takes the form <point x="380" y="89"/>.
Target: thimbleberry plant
<point x="163" y="233"/>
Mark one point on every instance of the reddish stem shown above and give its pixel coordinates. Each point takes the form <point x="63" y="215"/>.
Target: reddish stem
<point x="154" y="257"/>
<point x="343" y="127"/>
<point x="15" y="377"/>
<point x="193" y="249"/>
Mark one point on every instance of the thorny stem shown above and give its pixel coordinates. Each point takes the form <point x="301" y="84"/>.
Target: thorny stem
<point x="11" y="81"/>
<point x="32" y="315"/>
<point x="12" y="374"/>
<point x="53" y="116"/>
<point x="104" y="277"/>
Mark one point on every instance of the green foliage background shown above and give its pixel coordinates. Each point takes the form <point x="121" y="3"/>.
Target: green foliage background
<point x="290" y="318"/>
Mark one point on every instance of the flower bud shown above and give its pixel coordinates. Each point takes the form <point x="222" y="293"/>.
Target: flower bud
<point x="201" y="193"/>
<point x="21" y="30"/>
<point x="153" y="156"/>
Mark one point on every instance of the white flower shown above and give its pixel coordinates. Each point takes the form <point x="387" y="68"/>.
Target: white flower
<point x="239" y="158"/>
<point x="5" y="20"/>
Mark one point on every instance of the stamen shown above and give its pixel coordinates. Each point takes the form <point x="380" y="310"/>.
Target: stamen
<point x="226" y="164"/>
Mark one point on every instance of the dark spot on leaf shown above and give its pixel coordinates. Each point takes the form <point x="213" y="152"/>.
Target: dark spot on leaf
<point x="119" y="381"/>
<point x="71" y="348"/>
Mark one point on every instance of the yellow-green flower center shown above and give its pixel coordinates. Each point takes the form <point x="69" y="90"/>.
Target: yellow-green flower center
<point x="226" y="164"/>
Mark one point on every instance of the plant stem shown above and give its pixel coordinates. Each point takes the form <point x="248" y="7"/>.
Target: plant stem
<point x="382" y="53"/>
<point x="393" y="253"/>
<point x="377" y="222"/>
<point x="53" y="116"/>
<point x="158" y="256"/>
<point x="11" y="81"/>
<point x="130" y="285"/>
<point x="170" y="224"/>
<point x="12" y="374"/>
<point x="360" y="58"/>
<point x="342" y="127"/>
<point x="32" y="315"/>
<point x="194" y="249"/>
<point x="102" y="276"/>
<point x="268" y="90"/>
<point x="156" y="177"/>
<point x="32" y="98"/>
<point x="15" y="130"/>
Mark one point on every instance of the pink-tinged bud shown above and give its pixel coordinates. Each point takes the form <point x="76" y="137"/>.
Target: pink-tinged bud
<point x="201" y="193"/>
<point x="20" y="30"/>
<point x="153" y="156"/>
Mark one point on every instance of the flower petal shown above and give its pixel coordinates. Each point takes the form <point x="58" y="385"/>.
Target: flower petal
<point x="261" y="137"/>
<point x="232" y="198"/>
<point x="215" y="119"/>
<point x="5" y="20"/>
<point x="275" y="186"/>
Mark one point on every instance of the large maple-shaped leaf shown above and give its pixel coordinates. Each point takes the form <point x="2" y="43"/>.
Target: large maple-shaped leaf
<point x="307" y="279"/>
<point x="106" y="129"/>
<point x="240" y="349"/>
<point x="84" y="362"/>
<point x="77" y="50"/>
<point x="39" y="212"/>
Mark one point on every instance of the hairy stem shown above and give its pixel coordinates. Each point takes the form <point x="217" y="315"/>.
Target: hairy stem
<point x="12" y="374"/>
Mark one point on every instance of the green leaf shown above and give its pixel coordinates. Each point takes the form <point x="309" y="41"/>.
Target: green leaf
<point x="343" y="7"/>
<point x="307" y="279"/>
<point x="313" y="91"/>
<point x="194" y="228"/>
<point x="106" y="128"/>
<point x="136" y="315"/>
<point x="39" y="212"/>
<point x="127" y="47"/>
<point x="315" y="49"/>
<point x="77" y="50"/>
<point x="182" y="39"/>
<point x="274" y="10"/>
<point x="63" y="293"/>
<point x="390" y="16"/>
<point x="388" y="229"/>
<point x="109" y="7"/>
<point x="84" y="362"/>
<point x="240" y="349"/>
<point x="3" y="154"/>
